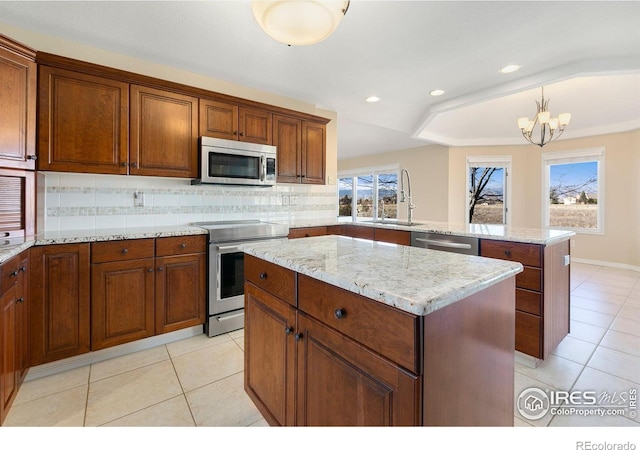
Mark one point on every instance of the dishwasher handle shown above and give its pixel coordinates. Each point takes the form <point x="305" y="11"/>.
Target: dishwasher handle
<point x="446" y="244"/>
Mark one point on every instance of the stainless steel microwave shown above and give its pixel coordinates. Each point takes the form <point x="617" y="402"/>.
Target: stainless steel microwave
<point x="224" y="161"/>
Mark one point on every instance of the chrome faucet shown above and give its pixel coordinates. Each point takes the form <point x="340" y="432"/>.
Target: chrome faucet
<point x="404" y="196"/>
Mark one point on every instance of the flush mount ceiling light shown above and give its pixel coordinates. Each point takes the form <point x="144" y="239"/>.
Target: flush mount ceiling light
<point x="372" y="99"/>
<point x="510" y="68"/>
<point x="436" y="92"/>
<point x="550" y="127"/>
<point x="299" y="22"/>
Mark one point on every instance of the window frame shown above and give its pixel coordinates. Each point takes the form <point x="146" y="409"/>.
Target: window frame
<point x="595" y="154"/>
<point x="503" y="161"/>
<point x="364" y="171"/>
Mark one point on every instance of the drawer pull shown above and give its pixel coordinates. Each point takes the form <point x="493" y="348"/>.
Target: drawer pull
<point x="183" y="245"/>
<point x="288" y="331"/>
<point x="160" y="269"/>
<point x="263" y="275"/>
<point x="297" y="336"/>
<point x="340" y="313"/>
<point x="125" y="251"/>
<point x="23" y="269"/>
<point x="149" y="269"/>
<point x="507" y="252"/>
<point x="20" y="300"/>
<point x="14" y="273"/>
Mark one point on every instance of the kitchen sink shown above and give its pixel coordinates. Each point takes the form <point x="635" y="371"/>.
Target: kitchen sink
<point x="392" y="223"/>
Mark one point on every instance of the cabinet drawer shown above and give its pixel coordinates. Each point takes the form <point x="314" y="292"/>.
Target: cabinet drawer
<point x="121" y="250"/>
<point x="527" y="254"/>
<point x="359" y="232"/>
<point x="529" y="301"/>
<point x="295" y="233"/>
<point x="386" y="330"/>
<point x="528" y="334"/>
<point x="530" y="278"/>
<point x="393" y="236"/>
<point x="270" y="277"/>
<point x="181" y="245"/>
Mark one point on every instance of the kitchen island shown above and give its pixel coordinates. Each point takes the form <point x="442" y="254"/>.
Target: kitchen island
<point x="343" y="331"/>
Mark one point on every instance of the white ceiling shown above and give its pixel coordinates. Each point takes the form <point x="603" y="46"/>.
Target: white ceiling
<point x="586" y="54"/>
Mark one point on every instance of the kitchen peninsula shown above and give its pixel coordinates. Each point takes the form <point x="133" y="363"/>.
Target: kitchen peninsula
<point x="343" y="331"/>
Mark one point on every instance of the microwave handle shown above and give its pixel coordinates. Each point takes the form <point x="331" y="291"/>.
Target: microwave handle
<point x="263" y="168"/>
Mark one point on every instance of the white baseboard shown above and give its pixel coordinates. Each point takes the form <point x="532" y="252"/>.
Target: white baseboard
<point x="85" y="359"/>
<point x="597" y="262"/>
<point x="527" y="360"/>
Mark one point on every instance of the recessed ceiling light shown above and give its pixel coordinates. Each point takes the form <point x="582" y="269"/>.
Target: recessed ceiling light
<point x="372" y="99"/>
<point x="510" y="68"/>
<point x="436" y="92"/>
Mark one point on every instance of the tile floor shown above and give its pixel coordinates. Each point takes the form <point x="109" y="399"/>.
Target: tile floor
<point x="199" y="381"/>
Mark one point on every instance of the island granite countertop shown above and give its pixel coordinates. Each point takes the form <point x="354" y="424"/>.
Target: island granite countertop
<point x="415" y="280"/>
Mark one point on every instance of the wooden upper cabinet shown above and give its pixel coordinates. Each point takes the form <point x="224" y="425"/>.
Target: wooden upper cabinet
<point x="164" y="133"/>
<point x="255" y="125"/>
<point x="287" y="137"/>
<point x="83" y="122"/>
<point x="313" y="153"/>
<point x="237" y="123"/>
<point x="301" y="150"/>
<point x="218" y="120"/>
<point x="17" y="105"/>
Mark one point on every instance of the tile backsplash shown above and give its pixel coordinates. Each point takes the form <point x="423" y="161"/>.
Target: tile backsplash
<point x="69" y="201"/>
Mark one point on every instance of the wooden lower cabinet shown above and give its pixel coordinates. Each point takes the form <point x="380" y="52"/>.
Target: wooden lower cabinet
<point x="342" y="383"/>
<point x="332" y="357"/>
<point x="542" y="293"/>
<point x="60" y="302"/>
<point x="14" y="325"/>
<point x="270" y="355"/>
<point x="180" y="286"/>
<point x="122" y="302"/>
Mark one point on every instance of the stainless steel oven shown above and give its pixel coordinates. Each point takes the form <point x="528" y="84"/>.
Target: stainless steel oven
<point x="226" y="269"/>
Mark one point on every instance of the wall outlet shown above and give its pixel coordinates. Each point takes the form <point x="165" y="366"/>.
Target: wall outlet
<point x="293" y="200"/>
<point x="567" y="260"/>
<point x="138" y="199"/>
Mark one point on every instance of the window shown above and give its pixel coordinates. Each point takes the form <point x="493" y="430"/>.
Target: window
<point x="573" y="190"/>
<point x="487" y="188"/>
<point x="368" y="194"/>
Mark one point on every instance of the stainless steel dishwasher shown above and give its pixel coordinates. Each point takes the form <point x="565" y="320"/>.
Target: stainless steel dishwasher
<point x="445" y="242"/>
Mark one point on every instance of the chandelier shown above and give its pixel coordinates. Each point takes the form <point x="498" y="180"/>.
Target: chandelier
<point x="302" y="22"/>
<point x="550" y="128"/>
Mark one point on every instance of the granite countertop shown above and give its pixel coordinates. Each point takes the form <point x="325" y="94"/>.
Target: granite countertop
<point x="484" y="231"/>
<point x="415" y="280"/>
<point x="12" y="247"/>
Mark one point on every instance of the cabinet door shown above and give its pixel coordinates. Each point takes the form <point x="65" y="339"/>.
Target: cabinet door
<point x="59" y="302"/>
<point x="218" y="120"/>
<point x="341" y="383"/>
<point x="255" y="125"/>
<point x="83" y="122"/>
<point x="287" y="136"/>
<point x="269" y="355"/>
<point x="17" y="108"/>
<point x="180" y="292"/>
<point x="8" y="379"/>
<point x="164" y="133"/>
<point x="313" y="153"/>
<point x="122" y="306"/>
<point x="22" y="318"/>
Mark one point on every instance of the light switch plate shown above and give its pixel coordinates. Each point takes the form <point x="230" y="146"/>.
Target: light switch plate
<point x="138" y="199"/>
<point x="567" y="260"/>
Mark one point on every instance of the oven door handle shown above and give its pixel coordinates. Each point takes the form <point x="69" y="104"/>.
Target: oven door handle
<point x="227" y="248"/>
